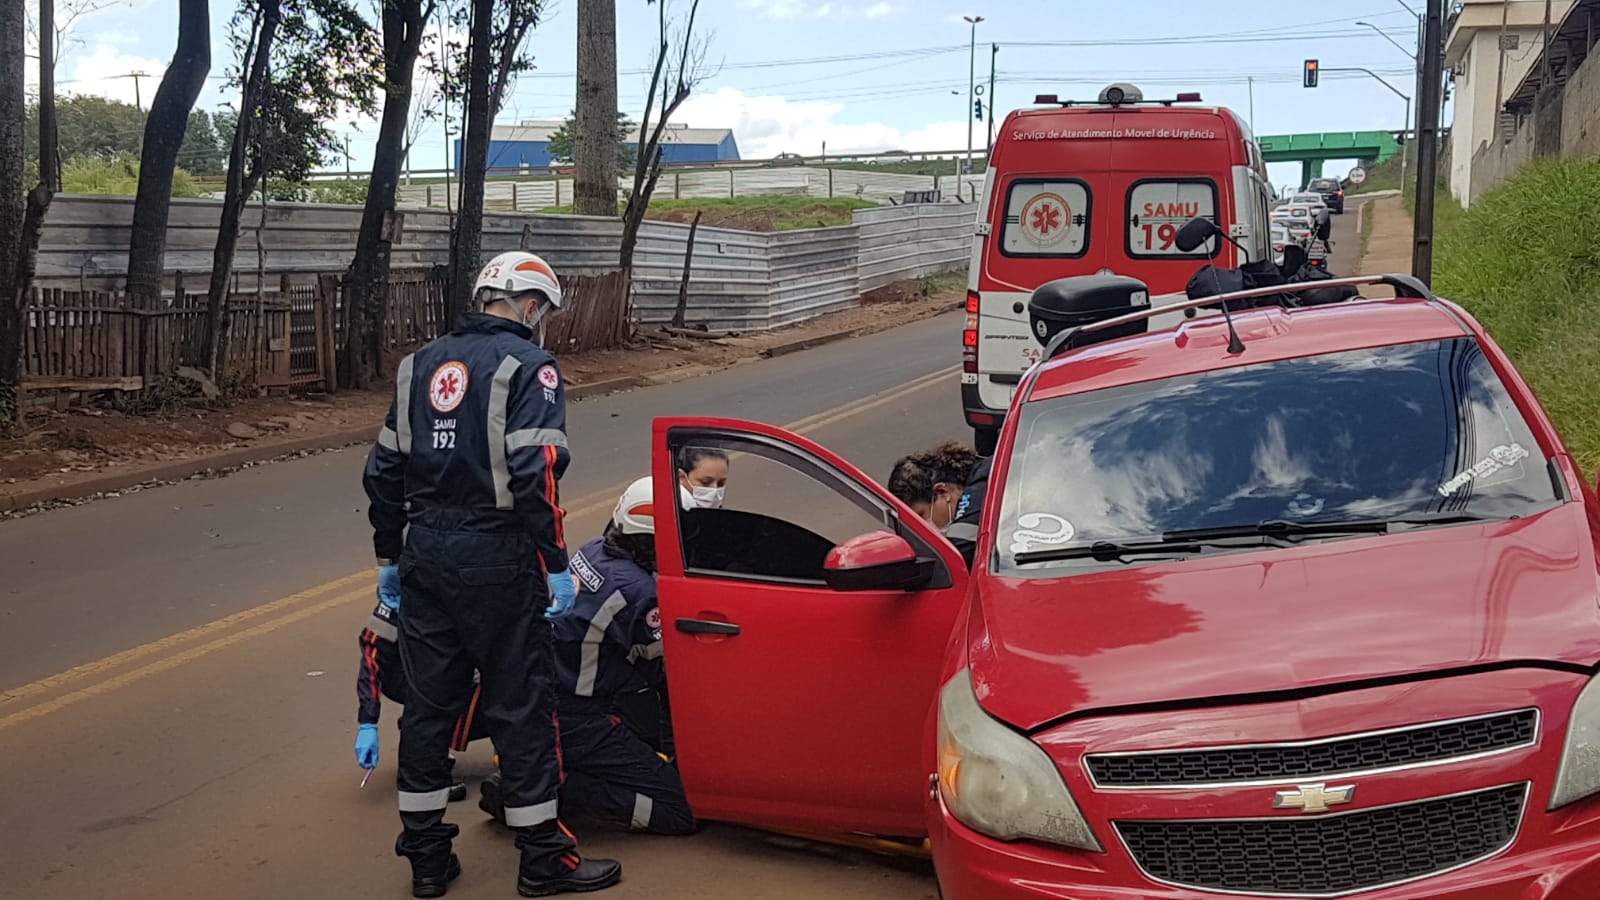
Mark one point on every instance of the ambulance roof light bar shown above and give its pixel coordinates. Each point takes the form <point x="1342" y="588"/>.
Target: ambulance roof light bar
<point x="1120" y="94"/>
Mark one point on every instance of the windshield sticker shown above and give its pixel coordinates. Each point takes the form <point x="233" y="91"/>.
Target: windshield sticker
<point x="1305" y="505"/>
<point x="1502" y="457"/>
<point x="1029" y="535"/>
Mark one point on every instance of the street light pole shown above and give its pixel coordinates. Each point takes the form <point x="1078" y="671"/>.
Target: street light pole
<point x="972" y="83"/>
<point x="1385" y="36"/>
<point x="988" y="148"/>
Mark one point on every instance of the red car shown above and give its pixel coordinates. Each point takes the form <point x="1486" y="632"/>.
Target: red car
<point x="1314" y="619"/>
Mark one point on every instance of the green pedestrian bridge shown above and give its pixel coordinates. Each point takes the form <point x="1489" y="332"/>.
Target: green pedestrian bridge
<point x="1312" y="150"/>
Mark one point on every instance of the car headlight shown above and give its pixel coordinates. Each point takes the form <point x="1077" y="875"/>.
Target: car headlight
<point x="1579" y="775"/>
<point x="998" y="782"/>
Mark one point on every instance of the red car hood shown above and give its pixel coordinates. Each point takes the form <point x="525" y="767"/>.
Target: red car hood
<point x="1283" y="619"/>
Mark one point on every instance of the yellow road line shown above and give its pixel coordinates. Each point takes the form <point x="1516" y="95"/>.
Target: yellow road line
<point x="91" y="669"/>
<point x="172" y="662"/>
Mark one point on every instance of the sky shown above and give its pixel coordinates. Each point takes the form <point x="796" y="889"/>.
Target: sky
<point x="873" y="75"/>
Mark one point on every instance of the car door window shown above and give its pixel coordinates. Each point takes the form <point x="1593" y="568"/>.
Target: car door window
<point x="783" y="512"/>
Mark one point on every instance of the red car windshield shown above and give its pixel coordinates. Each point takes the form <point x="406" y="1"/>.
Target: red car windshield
<point x="1421" y="429"/>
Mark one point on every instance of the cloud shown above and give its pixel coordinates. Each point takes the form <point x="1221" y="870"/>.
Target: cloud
<point x="765" y="126"/>
<point x="810" y="9"/>
<point x="103" y="69"/>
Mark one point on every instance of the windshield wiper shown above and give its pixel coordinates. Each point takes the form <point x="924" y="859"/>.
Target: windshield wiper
<point x="1283" y="528"/>
<point x="1106" y="551"/>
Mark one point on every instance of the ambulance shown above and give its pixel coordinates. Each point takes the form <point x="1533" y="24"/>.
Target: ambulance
<point x="1079" y="188"/>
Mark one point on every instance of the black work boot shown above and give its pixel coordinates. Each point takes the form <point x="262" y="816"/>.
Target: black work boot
<point x="590" y="875"/>
<point x="435" y="883"/>
<point x="491" y="800"/>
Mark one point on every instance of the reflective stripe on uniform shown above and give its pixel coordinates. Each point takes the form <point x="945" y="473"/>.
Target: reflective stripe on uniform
<point x="499" y="398"/>
<point x="642" y="807"/>
<point x="962" y="531"/>
<point x="383" y="629"/>
<point x="529" y="816"/>
<point x="424" y="801"/>
<point x="535" y="437"/>
<point x="388" y="440"/>
<point x="402" y="405"/>
<point x="651" y="650"/>
<point x="589" y="667"/>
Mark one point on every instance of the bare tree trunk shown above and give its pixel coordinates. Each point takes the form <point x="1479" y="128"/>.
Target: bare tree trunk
<point x="682" y="312"/>
<point x="21" y="220"/>
<point x="464" y="250"/>
<point x="367" y="289"/>
<point x="240" y="185"/>
<point x="594" y="191"/>
<point x="163" y="136"/>
<point x="49" y="154"/>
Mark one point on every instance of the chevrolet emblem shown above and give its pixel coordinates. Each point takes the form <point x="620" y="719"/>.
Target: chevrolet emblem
<point x="1314" y="798"/>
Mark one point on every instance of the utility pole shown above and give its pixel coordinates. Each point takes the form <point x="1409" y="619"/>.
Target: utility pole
<point x="138" y="102"/>
<point x="1432" y="63"/>
<point x="972" y="83"/>
<point x="988" y="147"/>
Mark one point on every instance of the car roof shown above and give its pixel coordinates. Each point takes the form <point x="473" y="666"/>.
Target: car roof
<point x="1270" y="334"/>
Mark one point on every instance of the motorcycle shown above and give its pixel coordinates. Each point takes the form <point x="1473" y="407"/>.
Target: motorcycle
<point x="1295" y="268"/>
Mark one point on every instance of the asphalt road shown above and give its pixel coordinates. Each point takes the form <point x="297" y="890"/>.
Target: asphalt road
<point x="177" y="665"/>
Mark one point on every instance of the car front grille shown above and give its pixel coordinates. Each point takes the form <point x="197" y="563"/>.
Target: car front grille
<point x="1332" y="854"/>
<point x="1333" y="757"/>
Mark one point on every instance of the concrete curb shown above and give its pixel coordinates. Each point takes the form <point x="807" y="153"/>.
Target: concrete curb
<point x="607" y="386"/>
<point x="808" y="343"/>
<point x="184" y="469"/>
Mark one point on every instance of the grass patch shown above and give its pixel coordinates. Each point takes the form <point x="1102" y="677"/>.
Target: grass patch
<point x="1385" y="176"/>
<point x="1525" y="260"/>
<point x="752" y="213"/>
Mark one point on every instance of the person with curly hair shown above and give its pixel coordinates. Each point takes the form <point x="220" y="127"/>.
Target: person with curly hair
<point x="946" y="485"/>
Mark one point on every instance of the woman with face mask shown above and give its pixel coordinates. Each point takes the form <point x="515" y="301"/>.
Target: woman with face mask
<point x="703" y="473"/>
<point x="945" y="485"/>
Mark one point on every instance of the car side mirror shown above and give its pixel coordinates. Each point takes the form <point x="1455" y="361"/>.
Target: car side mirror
<point x="1195" y="232"/>
<point x="879" y="561"/>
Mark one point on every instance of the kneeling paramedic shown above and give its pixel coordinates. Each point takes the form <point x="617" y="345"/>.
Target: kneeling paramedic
<point x="463" y="497"/>
<point x="381" y="675"/>
<point x="608" y="655"/>
<point x="946" y="485"/>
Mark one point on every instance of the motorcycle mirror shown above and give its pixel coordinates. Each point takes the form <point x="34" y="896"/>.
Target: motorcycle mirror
<point x="1195" y="232"/>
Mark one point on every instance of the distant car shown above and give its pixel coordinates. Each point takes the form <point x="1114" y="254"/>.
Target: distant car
<point x="1331" y="191"/>
<point x="1313" y="200"/>
<point x="1299" y="224"/>
<point x="1280" y="239"/>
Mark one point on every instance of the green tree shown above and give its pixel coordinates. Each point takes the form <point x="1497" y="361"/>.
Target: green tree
<point x="202" y="153"/>
<point x="562" y="144"/>
<point x="299" y="63"/>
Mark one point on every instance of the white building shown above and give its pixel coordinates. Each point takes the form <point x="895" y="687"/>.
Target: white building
<point x="1490" y="47"/>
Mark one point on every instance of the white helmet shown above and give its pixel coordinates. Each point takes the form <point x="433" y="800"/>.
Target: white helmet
<point x="514" y="273"/>
<point x="635" y="512"/>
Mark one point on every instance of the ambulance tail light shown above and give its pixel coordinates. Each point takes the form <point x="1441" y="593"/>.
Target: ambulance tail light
<point x="1190" y="97"/>
<point x="969" y="335"/>
<point x="1046" y="98"/>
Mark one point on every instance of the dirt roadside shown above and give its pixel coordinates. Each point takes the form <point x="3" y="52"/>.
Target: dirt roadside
<point x="70" y="457"/>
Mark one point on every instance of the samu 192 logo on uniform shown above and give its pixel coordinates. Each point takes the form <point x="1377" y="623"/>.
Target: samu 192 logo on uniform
<point x="448" y="386"/>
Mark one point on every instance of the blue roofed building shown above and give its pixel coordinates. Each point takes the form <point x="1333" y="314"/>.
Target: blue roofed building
<point x="526" y="146"/>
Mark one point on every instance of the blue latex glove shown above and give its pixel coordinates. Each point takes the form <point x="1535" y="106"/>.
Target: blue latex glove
<point x="563" y="593"/>
<point x="367" y="746"/>
<point x="389" y="586"/>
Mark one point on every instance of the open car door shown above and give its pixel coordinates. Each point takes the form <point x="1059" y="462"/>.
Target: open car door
<point x="804" y="626"/>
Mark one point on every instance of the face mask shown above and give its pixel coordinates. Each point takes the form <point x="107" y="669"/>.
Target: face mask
<point x="708" y="497"/>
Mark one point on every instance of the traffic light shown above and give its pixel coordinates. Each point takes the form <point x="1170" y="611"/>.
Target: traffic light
<point x="977" y="110"/>
<point x="1311" y="73"/>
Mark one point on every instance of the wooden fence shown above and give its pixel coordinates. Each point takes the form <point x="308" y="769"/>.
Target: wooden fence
<point x="95" y="340"/>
